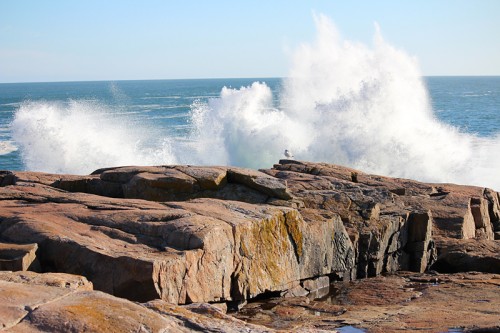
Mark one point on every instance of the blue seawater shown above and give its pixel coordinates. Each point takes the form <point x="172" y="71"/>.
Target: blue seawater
<point x="471" y="103"/>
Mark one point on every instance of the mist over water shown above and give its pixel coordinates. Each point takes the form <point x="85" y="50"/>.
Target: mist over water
<point x="346" y="103"/>
<point x="79" y="137"/>
<point x="364" y="106"/>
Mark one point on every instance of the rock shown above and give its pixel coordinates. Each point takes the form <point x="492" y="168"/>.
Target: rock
<point x="317" y="283"/>
<point x="207" y="178"/>
<point x="221" y="306"/>
<point x="22" y="292"/>
<point x="7" y="178"/>
<point x="296" y="291"/>
<point x="174" y="183"/>
<point x="318" y="287"/>
<point x="170" y="185"/>
<point x="494" y="210"/>
<point x="54" y="302"/>
<point x="420" y="244"/>
<point x="259" y="181"/>
<point x="422" y="302"/>
<point x="204" y="318"/>
<point x="187" y="234"/>
<point x="61" y="280"/>
<point x="17" y="257"/>
<point x="267" y="253"/>
<point x="391" y="222"/>
<point x="198" y="251"/>
<point x="468" y="255"/>
<point x="17" y="300"/>
<point x="94" y="311"/>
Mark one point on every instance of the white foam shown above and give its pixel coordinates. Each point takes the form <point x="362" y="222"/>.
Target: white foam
<point x="239" y="128"/>
<point x="343" y="102"/>
<point x="79" y="137"/>
<point x="7" y="147"/>
<point x="347" y="103"/>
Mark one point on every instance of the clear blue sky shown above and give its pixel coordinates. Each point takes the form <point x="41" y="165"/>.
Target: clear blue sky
<point x="147" y="39"/>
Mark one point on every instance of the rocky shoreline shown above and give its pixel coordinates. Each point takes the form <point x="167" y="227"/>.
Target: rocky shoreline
<point x="172" y="248"/>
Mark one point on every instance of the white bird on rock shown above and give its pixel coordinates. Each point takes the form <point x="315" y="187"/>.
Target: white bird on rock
<point x="288" y="154"/>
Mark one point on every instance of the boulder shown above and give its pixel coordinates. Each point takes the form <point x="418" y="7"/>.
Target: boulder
<point x="18" y="257"/>
<point x="468" y="255"/>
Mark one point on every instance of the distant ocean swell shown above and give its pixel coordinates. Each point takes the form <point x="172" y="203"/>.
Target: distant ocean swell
<point x="343" y="102"/>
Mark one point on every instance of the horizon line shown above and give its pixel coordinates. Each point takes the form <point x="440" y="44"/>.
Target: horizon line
<point x="208" y="78"/>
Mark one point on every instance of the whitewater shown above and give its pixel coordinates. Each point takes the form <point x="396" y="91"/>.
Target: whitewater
<point x="342" y="102"/>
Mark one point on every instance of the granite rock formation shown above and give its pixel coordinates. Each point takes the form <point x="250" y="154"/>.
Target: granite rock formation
<point x="189" y="234"/>
<point x="409" y="302"/>
<point x="56" y="302"/>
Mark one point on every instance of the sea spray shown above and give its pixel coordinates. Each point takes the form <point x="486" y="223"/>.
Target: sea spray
<point x="343" y="102"/>
<point x="239" y="128"/>
<point x="346" y="103"/>
<point x="369" y="108"/>
<point x="80" y="136"/>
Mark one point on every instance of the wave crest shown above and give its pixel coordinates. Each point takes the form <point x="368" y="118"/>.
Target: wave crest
<point x="80" y="136"/>
<point x="350" y="104"/>
<point x="343" y="102"/>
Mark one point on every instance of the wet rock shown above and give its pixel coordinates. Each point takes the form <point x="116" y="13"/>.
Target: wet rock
<point x="389" y="304"/>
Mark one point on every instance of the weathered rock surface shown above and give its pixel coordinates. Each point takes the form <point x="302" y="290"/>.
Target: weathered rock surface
<point x="18" y="257"/>
<point x="183" y="252"/>
<point x="21" y="293"/>
<point x="464" y="302"/>
<point x="199" y="250"/>
<point x="187" y="234"/>
<point x="61" y="280"/>
<point x="394" y="224"/>
<point x="55" y="302"/>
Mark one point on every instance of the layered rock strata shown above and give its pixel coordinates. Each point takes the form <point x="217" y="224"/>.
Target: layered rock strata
<point x="400" y="224"/>
<point x="188" y="234"/>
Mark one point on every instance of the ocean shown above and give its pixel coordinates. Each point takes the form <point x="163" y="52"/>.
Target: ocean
<point x="343" y="102"/>
<point x="76" y="127"/>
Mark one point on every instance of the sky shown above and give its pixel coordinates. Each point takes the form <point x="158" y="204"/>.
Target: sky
<point x="57" y="40"/>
